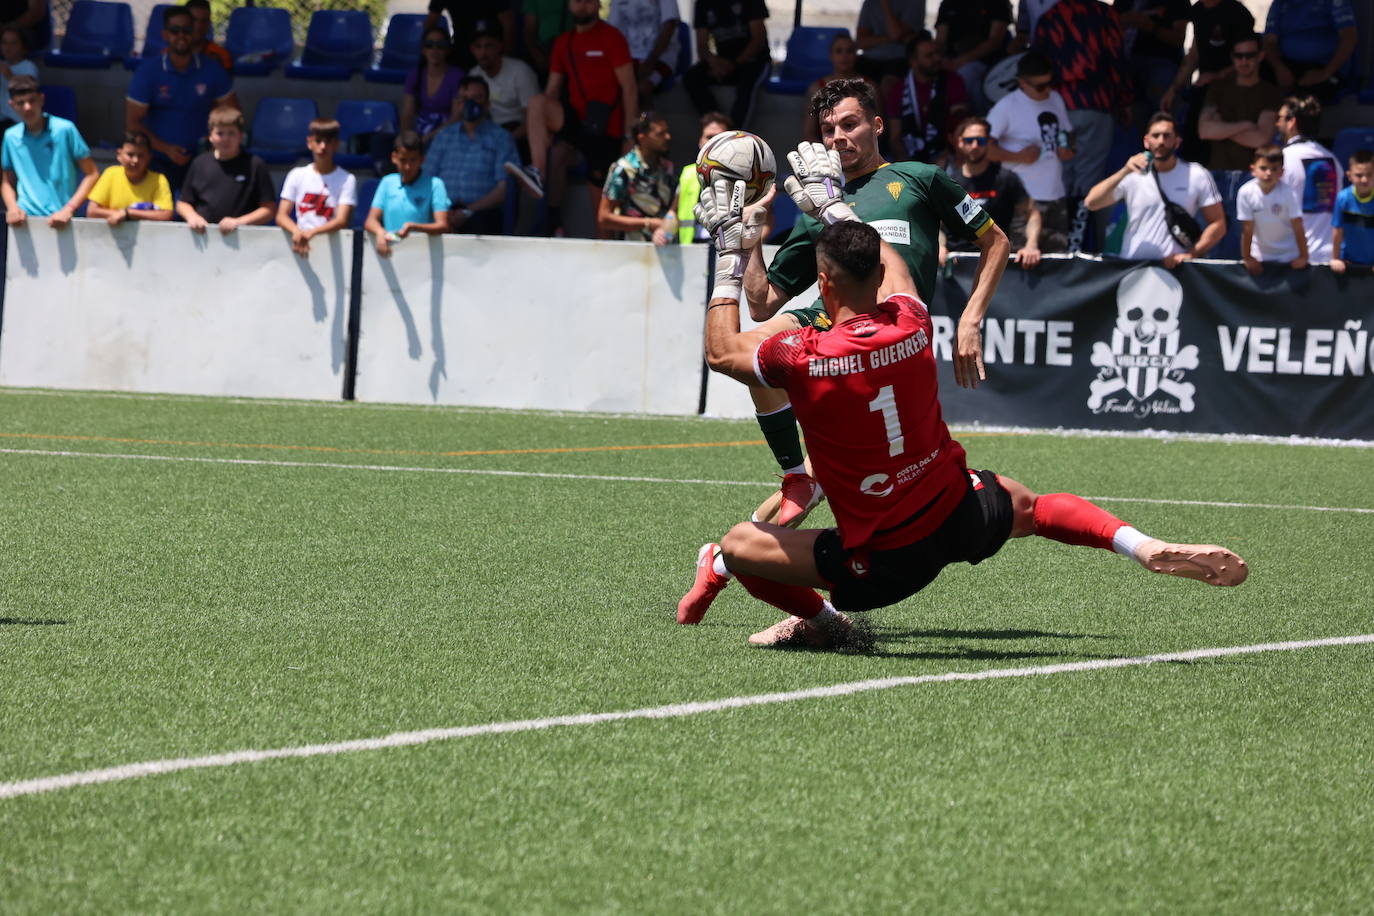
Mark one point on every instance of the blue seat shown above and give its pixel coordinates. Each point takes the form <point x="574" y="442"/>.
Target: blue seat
<point x="367" y="190"/>
<point x="153" y="42"/>
<point x="60" y="101"/>
<point x="98" y="34"/>
<point x="279" y="129"/>
<point x="1349" y="140"/>
<point x="808" y="59"/>
<point x="358" y="118"/>
<point x="400" y="49"/>
<point x="1228" y="185"/>
<point x="259" y="39"/>
<point x="338" y="43"/>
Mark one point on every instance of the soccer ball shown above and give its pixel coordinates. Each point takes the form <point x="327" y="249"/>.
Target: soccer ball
<point x="739" y="156"/>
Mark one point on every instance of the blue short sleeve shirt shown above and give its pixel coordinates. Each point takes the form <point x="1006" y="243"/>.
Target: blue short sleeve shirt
<point x="179" y="101"/>
<point x="1355" y="218"/>
<point x="416" y="202"/>
<point x="1307" y="29"/>
<point x="44" y="164"/>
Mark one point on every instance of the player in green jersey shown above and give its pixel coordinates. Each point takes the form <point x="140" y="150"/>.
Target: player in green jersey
<point x="907" y="202"/>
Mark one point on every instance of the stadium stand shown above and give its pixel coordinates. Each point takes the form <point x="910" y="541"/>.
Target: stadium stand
<point x="367" y="189"/>
<point x="153" y="43"/>
<point x="684" y="56"/>
<point x="358" y="121"/>
<point x="60" y="101"/>
<point x="1228" y="184"/>
<point x="98" y="34"/>
<point x="259" y="39"/>
<point x="400" y="49"/>
<point x="1351" y="139"/>
<point x="278" y="129"/>
<point x="338" y="43"/>
<point x="808" y="59"/>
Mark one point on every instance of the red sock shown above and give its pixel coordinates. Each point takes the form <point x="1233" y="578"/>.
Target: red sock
<point x="797" y="600"/>
<point x="1074" y="520"/>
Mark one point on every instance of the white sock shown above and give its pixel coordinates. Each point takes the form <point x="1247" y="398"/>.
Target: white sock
<point x="1127" y="539"/>
<point x="797" y="469"/>
<point x="719" y="566"/>
<point x="827" y="618"/>
<point x="754" y="517"/>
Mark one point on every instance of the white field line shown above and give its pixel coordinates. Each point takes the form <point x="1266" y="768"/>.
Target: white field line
<point x="491" y="472"/>
<point x="672" y="711"/>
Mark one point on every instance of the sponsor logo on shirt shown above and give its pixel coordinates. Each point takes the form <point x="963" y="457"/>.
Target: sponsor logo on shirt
<point x="894" y="231"/>
<point x="876" y="485"/>
<point x="969" y="209"/>
<point x="316" y="203"/>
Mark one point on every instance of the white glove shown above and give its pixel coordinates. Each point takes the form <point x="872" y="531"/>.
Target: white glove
<point x="817" y="183"/>
<point x="721" y="212"/>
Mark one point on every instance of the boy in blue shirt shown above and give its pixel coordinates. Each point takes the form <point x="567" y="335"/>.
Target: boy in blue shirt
<point x="42" y="157"/>
<point x="405" y="201"/>
<point x="1352" y="222"/>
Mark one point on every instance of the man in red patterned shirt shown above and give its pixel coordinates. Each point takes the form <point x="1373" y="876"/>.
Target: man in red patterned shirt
<point x="865" y="393"/>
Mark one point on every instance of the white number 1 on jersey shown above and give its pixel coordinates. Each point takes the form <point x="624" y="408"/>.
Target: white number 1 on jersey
<point x="886" y="401"/>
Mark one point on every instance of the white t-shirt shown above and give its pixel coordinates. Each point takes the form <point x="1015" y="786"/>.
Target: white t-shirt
<point x="1313" y="173"/>
<point x="1147" y="234"/>
<point x="510" y="90"/>
<point x="318" y="197"/>
<point x="1018" y="121"/>
<point x="641" y="21"/>
<point x="1273" y="216"/>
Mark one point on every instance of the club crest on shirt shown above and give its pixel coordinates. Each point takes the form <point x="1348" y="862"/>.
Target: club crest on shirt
<point x="200" y="88"/>
<point x="1141" y="372"/>
<point x="822" y="322"/>
<point x="895" y="189"/>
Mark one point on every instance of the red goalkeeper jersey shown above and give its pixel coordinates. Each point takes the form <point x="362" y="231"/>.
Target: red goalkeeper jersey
<point x="865" y="395"/>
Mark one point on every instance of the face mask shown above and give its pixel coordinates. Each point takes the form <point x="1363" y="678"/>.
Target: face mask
<point x="472" y="110"/>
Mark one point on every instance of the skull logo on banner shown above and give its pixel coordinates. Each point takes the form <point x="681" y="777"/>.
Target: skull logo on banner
<point x="1144" y="360"/>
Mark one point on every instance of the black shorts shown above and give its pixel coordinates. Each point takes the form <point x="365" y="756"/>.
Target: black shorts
<point x="862" y="579"/>
<point x="599" y="150"/>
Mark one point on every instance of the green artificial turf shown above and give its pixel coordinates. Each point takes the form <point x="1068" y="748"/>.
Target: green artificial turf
<point x="154" y="609"/>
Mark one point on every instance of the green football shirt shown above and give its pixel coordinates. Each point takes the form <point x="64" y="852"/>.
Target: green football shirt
<point x="906" y="202"/>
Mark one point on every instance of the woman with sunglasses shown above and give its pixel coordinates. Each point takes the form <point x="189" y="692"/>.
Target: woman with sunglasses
<point x="431" y="100"/>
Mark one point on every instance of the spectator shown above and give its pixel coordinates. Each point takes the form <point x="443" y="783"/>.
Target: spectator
<point x="1309" y="42"/>
<point x="1270" y="215"/>
<point x="469" y="17"/>
<point x="650" y="29"/>
<point x="129" y="190"/>
<point x="885" y="29"/>
<point x="732" y="50"/>
<point x="1083" y="38"/>
<point x="1145" y="182"/>
<point x="998" y="191"/>
<point x="511" y="84"/>
<point x="1352" y="223"/>
<point x="1216" y="26"/>
<point x="226" y="185"/>
<point x="1028" y="13"/>
<point x="971" y="34"/>
<point x="14" y="50"/>
<point x="1239" y="114"/>
<point x="1155" y="30"/>
<point x="1030" y="133"/>
<point x="689" y="185"/>
<point x="545" y="20"/>
<point x="638" y="197"/>
<point x="594" y="62"/>
<point x="929" y="103"/>
<point x="41" y="157"/>
<point x="201" y="41"/>
<point x="407" y="201"/>
<point x="170" y="97"/>
<point x="471" y="158"/>
<point x="29" y="16"/>
<point x="322" y="194"/>
<point x="844" y="57"/>
<point x="1311" y="170"/>
<point x="430" y="102"/>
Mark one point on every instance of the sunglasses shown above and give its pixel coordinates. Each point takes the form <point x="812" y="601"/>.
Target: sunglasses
<point x="437" y="45"/>
<point x="1244" y="55"/>
<point x="179" y="30"/>
<point x="974" y="141"/>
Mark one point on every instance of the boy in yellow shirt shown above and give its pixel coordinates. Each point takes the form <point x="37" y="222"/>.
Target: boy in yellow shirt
<point x="129" y="190"/>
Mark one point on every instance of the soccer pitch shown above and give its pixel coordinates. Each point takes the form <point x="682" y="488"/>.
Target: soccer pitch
<point x="182" y="578"/>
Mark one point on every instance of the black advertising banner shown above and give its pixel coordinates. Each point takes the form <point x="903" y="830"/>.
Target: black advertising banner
<point x="1083" y="343"/>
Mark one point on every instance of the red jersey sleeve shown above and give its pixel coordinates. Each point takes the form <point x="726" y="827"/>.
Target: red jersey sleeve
<point x="776" y="357"/>
<point x="558" y="57"/>
<point x="908" y="303"/>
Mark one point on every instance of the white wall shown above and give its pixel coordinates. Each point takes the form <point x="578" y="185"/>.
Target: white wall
<point x="155" y="307"/>
<point x="547" y="323"/>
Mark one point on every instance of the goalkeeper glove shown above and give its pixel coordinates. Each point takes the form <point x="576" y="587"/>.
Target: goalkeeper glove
<point x="817" y="183"/>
